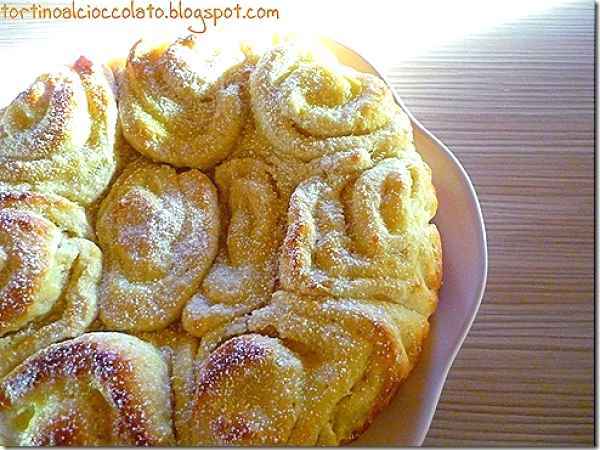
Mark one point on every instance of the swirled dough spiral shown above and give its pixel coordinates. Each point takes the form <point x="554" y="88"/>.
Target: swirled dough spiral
<point x="159" y="231"/>
<point x="305" y="372"/>
<point x="184" y="103"/>
<point x="366" y="237"/>
<point x="308" y="106"/>
<point x="100" y="389"/>
<point x="58" y="136"/>
<point x="242" y="276"/>
<point x="49" y="273"/>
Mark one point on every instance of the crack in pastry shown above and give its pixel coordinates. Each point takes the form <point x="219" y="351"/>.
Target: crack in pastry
<point x="242" y="277"/>
<point x="97" y="389"/>
<point x="184" y="103"/>
<point x="58" y="136"/>
<point x="125" y="155"/>
<point x="308" y="106"/>
<point x="179" y="350"/>
<point x="49" y="273"/>
<point x="304" y="371"/>
<point x="159" y="232"/>
<point x="288" y="172"/>
<point x="366" y="236"/>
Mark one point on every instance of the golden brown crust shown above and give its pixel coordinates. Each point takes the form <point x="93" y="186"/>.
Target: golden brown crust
<point x="248" y="393"/>
<point x="159" y="233"/>
<point x="328" y="366"/>
<point x="98" y="389"/>
<point x="50" y="273"/>
<point x="58" y="136"/>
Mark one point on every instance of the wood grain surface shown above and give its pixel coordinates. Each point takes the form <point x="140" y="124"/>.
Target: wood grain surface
<point x="515" y="103"/>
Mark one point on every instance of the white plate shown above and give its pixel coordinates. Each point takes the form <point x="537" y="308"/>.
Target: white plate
<point x="406" y="420"/>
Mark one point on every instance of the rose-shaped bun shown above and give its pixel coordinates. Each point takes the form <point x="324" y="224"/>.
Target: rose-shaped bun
<point x="243" y="274"/>
<point x="159" y="232"/>
<point x="184" y="103"/>
<point x="368" y="236"/>
<point x="308" y="106"/>
<point x="49" y="273"/>
<point x="58" y="136"/>
<point x="100" y="389"/>
<point x="304" y="371"/>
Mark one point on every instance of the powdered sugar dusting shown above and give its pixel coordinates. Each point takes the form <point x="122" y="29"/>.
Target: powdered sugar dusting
<point x="242" y="276"/>
<point x="308" y="106"/>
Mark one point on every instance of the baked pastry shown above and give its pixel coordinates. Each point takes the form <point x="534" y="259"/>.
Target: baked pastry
<point x="266" y="242"/>
<point x="308" y="106"/>
<point x="58" y="135"/>
<point x="366" y="236"/>
<point x="159" y="232"/>
<point x="288" y="172"/>
<point x="184" y="103"/>
<point x="242" y="276"/>
<point x="98" y="389"/>
<point x="310" y="371"/>
<point x="49" y="275"/>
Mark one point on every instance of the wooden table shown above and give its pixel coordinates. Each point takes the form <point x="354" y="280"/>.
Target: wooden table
<point x="515" y="103"/>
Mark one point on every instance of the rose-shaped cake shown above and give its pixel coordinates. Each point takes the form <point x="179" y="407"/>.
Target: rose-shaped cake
<point x="268" y="263"/>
